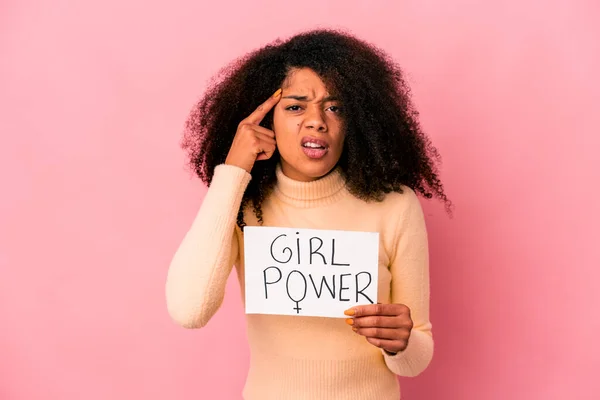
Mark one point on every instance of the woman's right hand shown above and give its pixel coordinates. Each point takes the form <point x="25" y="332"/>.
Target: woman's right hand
<point x="253" y="142"/>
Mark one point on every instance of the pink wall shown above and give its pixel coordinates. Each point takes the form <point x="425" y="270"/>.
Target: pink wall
<point x="95" y="196"/>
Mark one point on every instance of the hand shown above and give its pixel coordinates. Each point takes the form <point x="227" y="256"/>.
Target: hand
<point x="253" y="142"/>
<point x="386" y="326"/>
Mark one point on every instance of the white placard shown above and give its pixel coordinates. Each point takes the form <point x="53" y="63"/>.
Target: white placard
<point x="308" y="272"/>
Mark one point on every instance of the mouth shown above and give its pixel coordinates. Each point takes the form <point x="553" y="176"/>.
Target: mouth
<point x="314" y="148"/>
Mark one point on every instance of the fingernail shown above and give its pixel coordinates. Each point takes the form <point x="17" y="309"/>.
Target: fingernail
<point x="354" y="329"/>
<point x="349" y="321"/>
<point x="350" y="312"/>
<point x="277" y="92"/>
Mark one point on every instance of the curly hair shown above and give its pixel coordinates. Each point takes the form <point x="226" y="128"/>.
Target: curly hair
<point x="384" y="146"/>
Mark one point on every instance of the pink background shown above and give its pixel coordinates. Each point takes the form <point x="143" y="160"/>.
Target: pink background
<point x="95" y="197"/>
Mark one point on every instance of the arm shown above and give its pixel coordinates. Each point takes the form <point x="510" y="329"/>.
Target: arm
<point x="199" y="270"/>
<point x="410" y="286"/>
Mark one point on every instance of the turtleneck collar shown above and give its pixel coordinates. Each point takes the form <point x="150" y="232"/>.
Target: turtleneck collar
<point x="323" y="191"/>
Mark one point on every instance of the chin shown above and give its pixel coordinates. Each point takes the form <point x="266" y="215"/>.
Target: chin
<point x="306" y="168"/>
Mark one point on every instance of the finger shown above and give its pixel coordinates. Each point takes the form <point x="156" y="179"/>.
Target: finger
<point x="393" y="346"/>
<point x="257" y="115"/>
<point x="263" y="130"/>
<point x="383" y="333"/>
<point x="378" y="309"/>
<point x="265" y="155"/>
<point x="269" y="154"/>
<point x="268" y="150"/>
<point x="262" y="138"/>
<point x="260" y="143"/>
<point x="380" y="322"/>
<point x="251" y="129"/>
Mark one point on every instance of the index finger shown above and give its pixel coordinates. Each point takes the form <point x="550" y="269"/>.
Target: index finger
<point x="257" y="115"/>
<point x="389" y="310"/>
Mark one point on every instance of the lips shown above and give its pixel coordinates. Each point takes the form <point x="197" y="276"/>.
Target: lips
<point x="308" y="141"/>
<point x="314" y="148"/>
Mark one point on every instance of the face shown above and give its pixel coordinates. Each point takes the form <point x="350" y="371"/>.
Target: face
<point x="307" y="123"/>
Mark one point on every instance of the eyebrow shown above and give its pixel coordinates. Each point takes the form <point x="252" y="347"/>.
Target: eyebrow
<point x="305" y="98"/>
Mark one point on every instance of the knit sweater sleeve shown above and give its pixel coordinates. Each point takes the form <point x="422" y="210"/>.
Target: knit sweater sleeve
<point x="410" y="286"/>
<point x="198" y="272"/>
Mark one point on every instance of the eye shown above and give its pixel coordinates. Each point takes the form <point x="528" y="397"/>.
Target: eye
<point x="335" y="109"/>
<point x="293" y="108"/>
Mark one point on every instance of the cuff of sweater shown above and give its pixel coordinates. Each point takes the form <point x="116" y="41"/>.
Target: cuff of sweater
<point x="231" y="174"/>
<point x="415" y="358"/>
<point x="223" y="198"/>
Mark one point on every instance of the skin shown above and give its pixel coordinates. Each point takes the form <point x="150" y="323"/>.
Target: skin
<point x="304" y="107"/>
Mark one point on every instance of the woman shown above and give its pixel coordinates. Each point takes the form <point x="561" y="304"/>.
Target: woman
<point x="311" y="133"/>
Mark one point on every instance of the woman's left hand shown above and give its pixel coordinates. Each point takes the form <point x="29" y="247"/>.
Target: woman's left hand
<point x="386" y="326"/>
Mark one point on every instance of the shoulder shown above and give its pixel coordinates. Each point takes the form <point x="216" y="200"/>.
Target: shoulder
<point x="403" y="217"/>
<point x="389" y="211"/>
<point x="402" y="204"/>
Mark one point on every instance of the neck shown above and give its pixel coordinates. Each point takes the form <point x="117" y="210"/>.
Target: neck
<point x="322" y="191"/>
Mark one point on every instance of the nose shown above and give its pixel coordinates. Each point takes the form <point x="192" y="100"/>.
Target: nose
<point x="315" y="120"/>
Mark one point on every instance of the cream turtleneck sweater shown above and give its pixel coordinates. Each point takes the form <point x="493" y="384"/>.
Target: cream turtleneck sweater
<point x="308" y="358"/>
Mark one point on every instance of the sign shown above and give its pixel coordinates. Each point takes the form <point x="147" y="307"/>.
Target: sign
<point x="308" y="272"/>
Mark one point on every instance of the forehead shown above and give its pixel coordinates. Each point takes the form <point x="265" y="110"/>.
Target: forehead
<point x="305" y="81"/>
